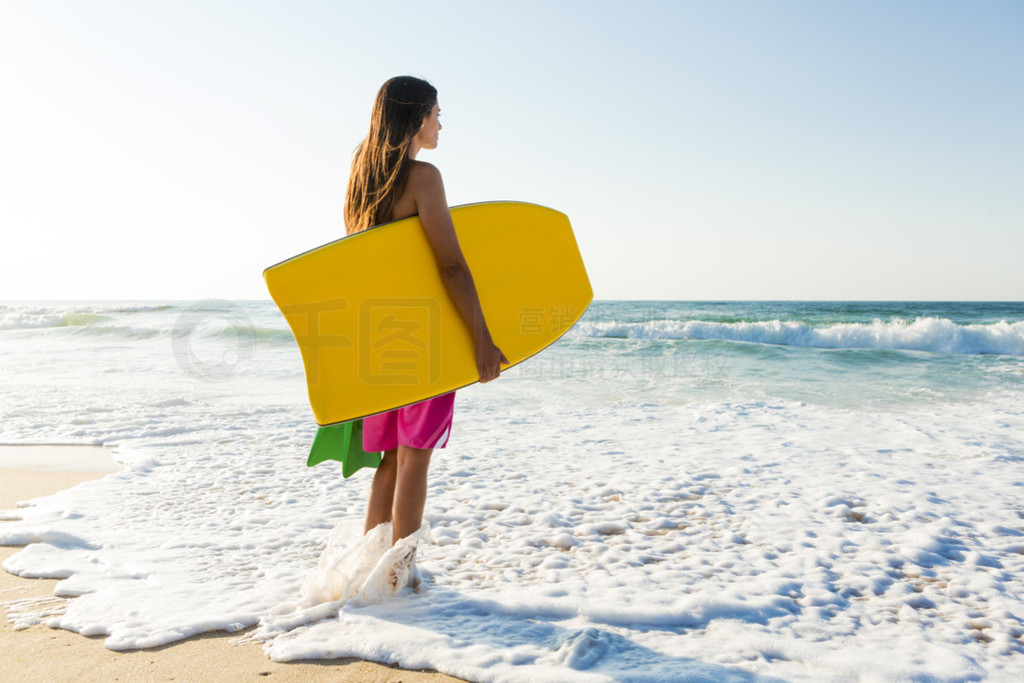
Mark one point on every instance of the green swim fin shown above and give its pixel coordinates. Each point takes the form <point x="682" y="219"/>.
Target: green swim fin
<point x="342" y="442"/>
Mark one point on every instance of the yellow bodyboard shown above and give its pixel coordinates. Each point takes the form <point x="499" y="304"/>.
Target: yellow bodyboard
<point x="377" y="329"/>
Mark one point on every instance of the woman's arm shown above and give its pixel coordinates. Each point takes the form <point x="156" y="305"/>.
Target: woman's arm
<point x="427" y="189"/>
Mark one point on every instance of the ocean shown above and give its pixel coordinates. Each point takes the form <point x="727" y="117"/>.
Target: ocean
<point x="675" y="490"/>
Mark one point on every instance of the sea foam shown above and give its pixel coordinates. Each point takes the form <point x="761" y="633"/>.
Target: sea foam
<point x="922" y="334"/>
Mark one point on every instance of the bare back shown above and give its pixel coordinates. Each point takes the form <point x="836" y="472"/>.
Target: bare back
<point x="406" y="204"/>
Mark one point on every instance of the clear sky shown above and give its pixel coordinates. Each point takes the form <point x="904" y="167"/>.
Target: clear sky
<point x="702" y="150"/>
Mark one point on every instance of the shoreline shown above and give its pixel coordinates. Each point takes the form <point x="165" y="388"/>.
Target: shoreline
<point x="40" y="653"/>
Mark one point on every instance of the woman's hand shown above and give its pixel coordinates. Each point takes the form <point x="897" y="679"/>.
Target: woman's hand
<point x="488" y="360"/>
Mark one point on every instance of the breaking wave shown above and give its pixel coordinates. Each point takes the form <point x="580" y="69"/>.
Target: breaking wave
<point x="938" y="335"/>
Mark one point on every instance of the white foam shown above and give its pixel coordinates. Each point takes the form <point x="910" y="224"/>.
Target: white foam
<point x="922" y="334"/>
<point x="762" y="537"/>
<point x="365" y="569"/>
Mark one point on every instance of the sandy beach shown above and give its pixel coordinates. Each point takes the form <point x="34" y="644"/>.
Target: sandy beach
<point x="40" y="653"/>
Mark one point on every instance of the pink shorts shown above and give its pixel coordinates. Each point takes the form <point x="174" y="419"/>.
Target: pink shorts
<point x="426" y="424"/>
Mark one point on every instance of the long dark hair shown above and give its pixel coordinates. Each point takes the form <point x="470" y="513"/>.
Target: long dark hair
<point x="380" y="165"/>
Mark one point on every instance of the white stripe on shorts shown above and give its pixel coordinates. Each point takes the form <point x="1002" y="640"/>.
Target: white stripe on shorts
<point x="444" y="437"/>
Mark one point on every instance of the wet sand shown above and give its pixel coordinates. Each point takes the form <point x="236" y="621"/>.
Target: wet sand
<point x="40" y="653"/>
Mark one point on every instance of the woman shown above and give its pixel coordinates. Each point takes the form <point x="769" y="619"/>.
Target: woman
<point x="387" y="183"/>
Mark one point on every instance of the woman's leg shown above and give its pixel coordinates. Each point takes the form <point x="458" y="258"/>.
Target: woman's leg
<point x="410" y="492"/>
<point x="382" y="491"/>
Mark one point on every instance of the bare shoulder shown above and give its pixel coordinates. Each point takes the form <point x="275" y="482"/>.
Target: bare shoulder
<point x="424" y="176"/>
